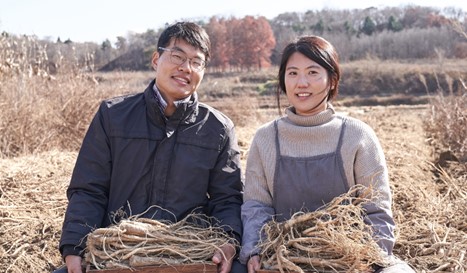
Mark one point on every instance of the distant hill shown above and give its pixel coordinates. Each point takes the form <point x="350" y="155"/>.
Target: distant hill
<point x="134" y="60"/>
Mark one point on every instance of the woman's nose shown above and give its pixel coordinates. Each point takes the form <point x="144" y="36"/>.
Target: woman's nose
<point x="302" y="81"/>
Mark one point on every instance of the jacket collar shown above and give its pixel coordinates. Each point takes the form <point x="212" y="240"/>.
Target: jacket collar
<point x="185" y="114"/>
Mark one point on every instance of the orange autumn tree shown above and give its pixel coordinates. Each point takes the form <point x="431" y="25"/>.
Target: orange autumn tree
<point x="257" y="41"/>
<point x="217" y="30"/>
<point x="241" y="44"/>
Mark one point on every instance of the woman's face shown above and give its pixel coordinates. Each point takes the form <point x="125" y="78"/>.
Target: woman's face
<point x="307" y="85"/>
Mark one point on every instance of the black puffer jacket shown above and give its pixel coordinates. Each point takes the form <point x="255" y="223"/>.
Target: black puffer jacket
<point x="133" y="161"/>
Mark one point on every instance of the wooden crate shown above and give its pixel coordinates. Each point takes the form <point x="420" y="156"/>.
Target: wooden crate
<point x="277" y="271"/>
<point x="187" y="268"/>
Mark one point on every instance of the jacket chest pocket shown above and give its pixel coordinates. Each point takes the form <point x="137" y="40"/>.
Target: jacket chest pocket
<point x="194" y="158"/>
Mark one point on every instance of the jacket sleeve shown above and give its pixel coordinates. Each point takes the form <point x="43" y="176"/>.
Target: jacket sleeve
<point x="88" y="190"/>
<point x="225" y="187"/>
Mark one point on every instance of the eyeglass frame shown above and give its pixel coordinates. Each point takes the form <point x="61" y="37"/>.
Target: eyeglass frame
<point x="184" y="58"/>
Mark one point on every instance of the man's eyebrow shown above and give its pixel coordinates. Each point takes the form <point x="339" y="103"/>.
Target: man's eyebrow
<point x="178" y="49"/>
<point x="181" y="50"/>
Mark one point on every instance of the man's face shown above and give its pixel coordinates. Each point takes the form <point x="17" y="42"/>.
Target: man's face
<point x="178" y="81"/>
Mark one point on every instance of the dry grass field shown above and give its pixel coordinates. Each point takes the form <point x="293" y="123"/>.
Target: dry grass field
<point x="43" y="120"/>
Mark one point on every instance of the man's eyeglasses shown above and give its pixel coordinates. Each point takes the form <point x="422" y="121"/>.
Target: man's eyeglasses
<point x="177" y="57"/>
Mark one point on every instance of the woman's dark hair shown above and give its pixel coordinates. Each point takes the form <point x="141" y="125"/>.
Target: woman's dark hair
<point x="320" y="51"/>
<point x="190" y="32"/>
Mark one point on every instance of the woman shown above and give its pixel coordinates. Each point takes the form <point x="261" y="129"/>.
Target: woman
<point x="310" y="155"/>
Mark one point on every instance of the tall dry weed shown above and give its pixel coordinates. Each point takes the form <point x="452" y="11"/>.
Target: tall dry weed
<point x="40" y="114"/>
<point x="448" y="123"/>
<point x="41" y="111"/>
<point x="26" y="56"/>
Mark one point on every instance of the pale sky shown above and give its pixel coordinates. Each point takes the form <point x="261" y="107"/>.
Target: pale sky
<point x="97" y="20"/>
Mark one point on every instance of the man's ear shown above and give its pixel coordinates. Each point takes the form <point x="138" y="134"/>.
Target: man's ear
<point x="155" y="57"/>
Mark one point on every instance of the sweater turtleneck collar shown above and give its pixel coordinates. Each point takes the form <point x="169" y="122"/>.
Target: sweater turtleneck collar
<point x="314" y="120"/>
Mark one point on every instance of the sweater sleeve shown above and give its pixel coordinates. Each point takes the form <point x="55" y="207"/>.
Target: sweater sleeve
<point x="371" y="170"/>
<point x="260" y="169"/>
<point x="254" y="216"/>
<point x="257" y="207"/>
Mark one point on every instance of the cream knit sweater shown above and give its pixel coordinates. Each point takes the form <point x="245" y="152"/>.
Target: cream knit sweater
<point x="306" y="136"/>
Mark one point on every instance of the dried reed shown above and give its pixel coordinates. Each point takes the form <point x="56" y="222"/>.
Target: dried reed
<point x="333" y="238"/>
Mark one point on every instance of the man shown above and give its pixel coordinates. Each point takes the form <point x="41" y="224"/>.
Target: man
<point x="158" y="154"/>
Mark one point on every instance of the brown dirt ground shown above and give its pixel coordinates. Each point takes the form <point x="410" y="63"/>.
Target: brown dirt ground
<point x="432" y="235"/>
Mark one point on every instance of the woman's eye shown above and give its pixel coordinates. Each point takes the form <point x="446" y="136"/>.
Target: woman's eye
<point x="313" y="73"/>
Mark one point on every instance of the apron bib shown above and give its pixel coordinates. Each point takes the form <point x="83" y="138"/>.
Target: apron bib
<point x="307" y="183"/>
